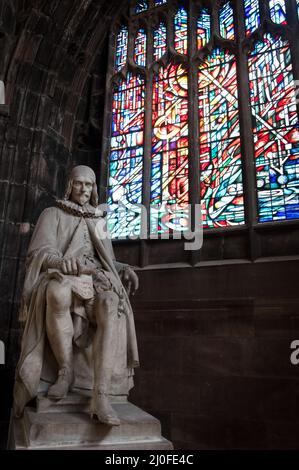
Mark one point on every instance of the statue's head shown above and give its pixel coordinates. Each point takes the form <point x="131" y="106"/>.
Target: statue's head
<point x="81" y="187"/>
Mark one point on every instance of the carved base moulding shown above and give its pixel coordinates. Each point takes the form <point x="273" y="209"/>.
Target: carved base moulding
<point x="65" y="424"/>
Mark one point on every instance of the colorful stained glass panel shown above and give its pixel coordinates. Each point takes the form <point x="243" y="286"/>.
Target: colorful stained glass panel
<point x="275" y="129"/>
<point x="121" y="48"/>
<point x="203" y="28"/>
<point x="141" y="5"/>
<point x="126" y="158"/>
<point x="160" y="2"/>
<point x="220" y="148"/>
<point x="278" y="11"/>
<point x="181" y="31"/>
<point x="140" y="48"/>
<point x="252" y="15"/>
<point x="169" y="167"/>
<point x="160" y="41"/>
<point x="226" y="22"/>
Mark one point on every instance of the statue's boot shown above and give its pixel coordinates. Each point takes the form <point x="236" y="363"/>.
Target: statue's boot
<point x="100" y="406"/>
<point x="61" y="387"/>
<point x="60" y="333"/>
<point x="104" y="352"/>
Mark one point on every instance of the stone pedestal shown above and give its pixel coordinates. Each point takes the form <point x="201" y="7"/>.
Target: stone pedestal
<point x="65" y="424"/>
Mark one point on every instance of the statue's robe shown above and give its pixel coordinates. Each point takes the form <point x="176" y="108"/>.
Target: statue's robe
<point x="56" y="233"/>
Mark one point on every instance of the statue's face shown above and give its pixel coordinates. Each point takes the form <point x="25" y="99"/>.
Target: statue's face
<point x="81" y="190"/>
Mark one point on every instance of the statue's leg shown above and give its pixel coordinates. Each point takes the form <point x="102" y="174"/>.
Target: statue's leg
<point x="104" y="354"/>
<point x="59" y="327"/>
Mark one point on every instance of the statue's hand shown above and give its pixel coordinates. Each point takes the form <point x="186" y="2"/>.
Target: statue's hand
<point x="71" y="266"/>
<point x="130" y="280"/>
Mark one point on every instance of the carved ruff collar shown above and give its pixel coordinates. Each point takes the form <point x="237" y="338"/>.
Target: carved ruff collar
<point x="86" y="211"/>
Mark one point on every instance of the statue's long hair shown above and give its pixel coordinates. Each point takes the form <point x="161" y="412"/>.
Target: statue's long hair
<point x="94" y="199"/>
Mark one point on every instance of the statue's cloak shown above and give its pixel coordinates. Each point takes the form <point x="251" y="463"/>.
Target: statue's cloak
<point x="55" y="234"/>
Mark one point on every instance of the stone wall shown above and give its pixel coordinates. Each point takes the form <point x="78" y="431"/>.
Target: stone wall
<point x="215" y="355"/>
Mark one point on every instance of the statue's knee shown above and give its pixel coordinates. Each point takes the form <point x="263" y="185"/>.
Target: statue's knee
<point x="106" y="306"/>
<point x="58" y="296"/>
<point x="108" y="300"/>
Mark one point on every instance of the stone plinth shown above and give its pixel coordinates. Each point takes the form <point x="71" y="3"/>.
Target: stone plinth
<point x="65" y="424"/>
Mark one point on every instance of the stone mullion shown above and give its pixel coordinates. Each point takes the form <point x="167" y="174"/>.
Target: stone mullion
<point x="133" y="28"/>
<point x="247" y="143"/>
<point x="170" y="29"/>
<point x="146" y="177"/>
<point x="215" y="8"/>
<point x="193" y="133"/>
<point x="264" y="12"/>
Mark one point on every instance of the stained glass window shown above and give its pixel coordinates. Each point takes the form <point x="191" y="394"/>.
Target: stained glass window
<point x="298" y="8"/>
<point x="160" y="41"/>
<point x="141" y="5"/>
<point x="252" y="15"/>
<point x="219" y="147"/>
<point x="126" y="157"/>
<point x="140" y="48"/>
<point x="169" y="168"/>
<point x="181" y="31"/>
<point x="203" y="28"/>
<point x="278" y="11"/>
<point x="226" y="22"/>
<point x="155" y="171"/>
<point x="121" y="48"/>
<point x="276" y="134"/>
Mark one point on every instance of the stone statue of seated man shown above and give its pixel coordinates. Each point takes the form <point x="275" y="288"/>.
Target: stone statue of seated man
<point x="79" y="328"/>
